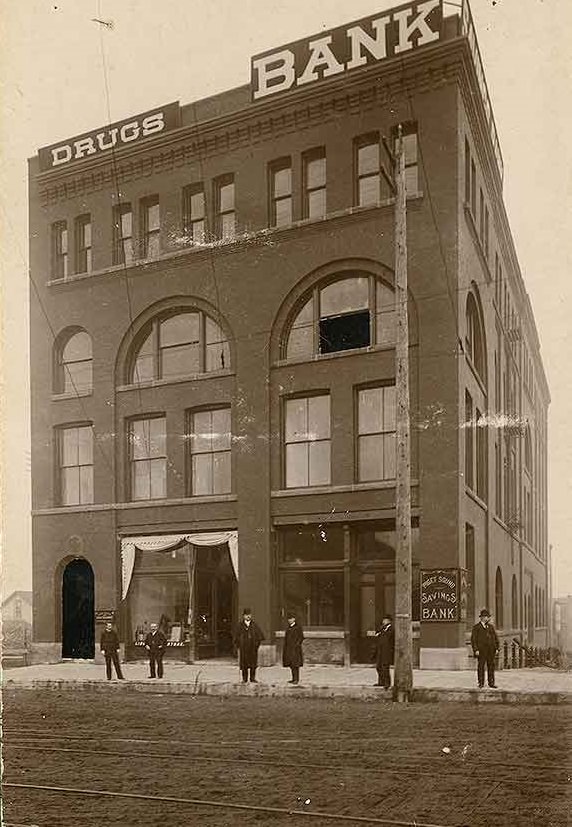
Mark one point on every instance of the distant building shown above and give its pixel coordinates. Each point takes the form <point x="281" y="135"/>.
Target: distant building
<point x="213" y="360"/>
<point x="562" y="624"/>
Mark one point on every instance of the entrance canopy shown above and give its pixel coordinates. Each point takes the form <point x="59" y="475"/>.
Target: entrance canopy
<point x="166" y="542"/>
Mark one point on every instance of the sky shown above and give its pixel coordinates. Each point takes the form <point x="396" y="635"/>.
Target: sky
<point x="53" y="86"/>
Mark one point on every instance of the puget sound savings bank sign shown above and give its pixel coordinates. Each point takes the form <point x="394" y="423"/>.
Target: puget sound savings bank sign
<point x="342" y="50"/>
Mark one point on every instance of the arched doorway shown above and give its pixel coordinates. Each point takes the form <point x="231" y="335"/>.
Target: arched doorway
<point x="78" y="618"/>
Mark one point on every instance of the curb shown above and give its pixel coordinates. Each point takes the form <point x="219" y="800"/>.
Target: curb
<point x="269" y="690"/>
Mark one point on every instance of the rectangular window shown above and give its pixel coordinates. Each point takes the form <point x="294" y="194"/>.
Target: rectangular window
<point x="467" y="173"/>
<point x="411" y="161"/>
<point x="470" y="567"/>
<point x="76" y="465"/>
<point x="469" y="441"/>
<point x="317" y="597"/>
<point x="307" y="441"/>
<point x="314" y="175"/>
<point x="194" y="213"/>
<point x="473" y="189"/>
<point x="486" y="236"/>
<point x="498" y="479"/>
<point x="60" y="250"/>
<point x="368" y="171"/>
<point x="148" y="458"/>
<point x="210" y="448"/>
<point x="481" y="216"/>
<point x="150" y="228"/>
<point x="225" y="217"/>
<point x="481" y="456"/>
<point x="280" y="182"/>
<point x="123" y="235"/>
<point x="376" y="434"/>
<point x="83" y="244"/>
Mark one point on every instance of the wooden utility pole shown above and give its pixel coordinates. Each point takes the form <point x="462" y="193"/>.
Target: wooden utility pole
<point x="403" y="635"/>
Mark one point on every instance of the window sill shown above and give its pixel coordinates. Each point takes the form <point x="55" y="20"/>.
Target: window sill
<point x="124" y="506"/>
<point x="59" y="397"/>
<point x="158" y="383"/>
<point x="337" y="489"/>
<point x="324" y="357"/>
<point x="475" y="497"/>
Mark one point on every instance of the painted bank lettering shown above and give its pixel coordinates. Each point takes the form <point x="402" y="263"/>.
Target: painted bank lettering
<point x="114" y="136"/>
<point x="346" y="48"/>
<point x="440" y="595"/>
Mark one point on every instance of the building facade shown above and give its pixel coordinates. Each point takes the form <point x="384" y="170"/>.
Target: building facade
<point x="213" y="360"/>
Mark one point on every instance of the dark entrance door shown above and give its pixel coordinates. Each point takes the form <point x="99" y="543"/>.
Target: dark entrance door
<point x="373" y="596"/>
<point x="78" y="618"/>
<point x="215" y="601"/>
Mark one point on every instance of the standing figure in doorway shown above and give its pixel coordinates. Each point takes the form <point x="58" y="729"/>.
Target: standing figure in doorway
<point x="485" y="645"/>
<point x="155" y="644"/>
<point x="109" y="645"/>
<point x="247" y="639"/>
<point x="292" y="652"/>
<point x="384" y="651"/>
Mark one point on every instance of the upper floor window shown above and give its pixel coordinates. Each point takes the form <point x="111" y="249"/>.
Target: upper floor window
<point x="409" y="133"/>
<point x="181" y="344"/>
<point x="123" y="234"/>
<point x="225" y="217"/>
<point x="150" y="227"/>
<point x="376" y="434"/>
<point x="345" y="314"/>
<point x="83" y="244"/>
<point x="314" y="181"/>
<point x="194" y="213"/>
<point x="474" y="336"/>
<point x="60" y="250"/>
<point x="527" y="452"/>
<point x="210" y="449"/>
<point x="368" y="170"/>
<point x="307" y="441"/>
<point x="75" y="448"/>
<point x="148" y="458"/>
<point x="280" y="182"/>
<point x="74" y="365"/>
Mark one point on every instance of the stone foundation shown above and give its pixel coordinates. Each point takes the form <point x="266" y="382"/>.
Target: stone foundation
<point x="445" y="658"/>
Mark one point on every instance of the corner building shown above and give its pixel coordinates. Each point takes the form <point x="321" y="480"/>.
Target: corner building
<point x="213" y="361"/>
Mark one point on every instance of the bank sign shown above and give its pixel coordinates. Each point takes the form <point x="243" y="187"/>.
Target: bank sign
<point x="346" y="48"/>
<point x="127" y="132"/>
<point x="442" y="595"/>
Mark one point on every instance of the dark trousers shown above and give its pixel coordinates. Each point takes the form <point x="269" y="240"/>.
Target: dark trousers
<point x="245" y="673"/>
<point x="384" y="676"/>
<point x="489" y="661"/>
<point x="295" y="674"/>
<point x="112" y="658"/>
<point x="158" y="661"/>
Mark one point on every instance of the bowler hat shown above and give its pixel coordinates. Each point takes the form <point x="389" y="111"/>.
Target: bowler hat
<point x="485" y="613"/>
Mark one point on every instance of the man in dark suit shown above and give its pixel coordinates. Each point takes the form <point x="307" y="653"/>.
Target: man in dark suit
<point x="155" y="643"/>
<point x="384" y="651"/>
<point x="109" y="645"/>
<point x="247" y="638"/>
<point x="485" y="645"/>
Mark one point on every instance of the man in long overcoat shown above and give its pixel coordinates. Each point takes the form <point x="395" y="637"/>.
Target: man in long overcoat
<point x="384" y="651"/>
<point x="292" y="651"/>
<point x="485" y="644"/>
<point x="109" y="645"/>
<point x="247" y="638"/>
<point x="155" y="644"/>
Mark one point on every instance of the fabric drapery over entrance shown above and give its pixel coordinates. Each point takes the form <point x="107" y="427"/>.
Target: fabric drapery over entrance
<point x="166" y="542"/>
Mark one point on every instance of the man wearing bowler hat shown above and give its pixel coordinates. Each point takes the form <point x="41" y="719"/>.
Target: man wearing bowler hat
<point x="485" y="645"/>
<point x="247" y="639"/>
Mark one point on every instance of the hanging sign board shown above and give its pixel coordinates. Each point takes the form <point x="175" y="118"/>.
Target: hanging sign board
<point x="341" y="50"/>
<point x="105" y="615"/>
<point x="116" y="135"/>
<point x="440" y="595"/>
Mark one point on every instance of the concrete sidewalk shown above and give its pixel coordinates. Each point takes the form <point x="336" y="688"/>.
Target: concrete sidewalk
<point x="538" y="685"/>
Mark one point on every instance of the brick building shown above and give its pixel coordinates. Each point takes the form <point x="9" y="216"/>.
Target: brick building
<point x="212" y="359"/>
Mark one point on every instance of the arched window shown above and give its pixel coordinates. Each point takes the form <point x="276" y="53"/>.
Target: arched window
<point x="499" y="599"/>
<point x="74" y="364"/>
<point x="474" y="336"/>
<point x="179" y="344"/>
<point x="514" y="602"/>
<point x="528" y="452"/>
<point x="345" y="314"/>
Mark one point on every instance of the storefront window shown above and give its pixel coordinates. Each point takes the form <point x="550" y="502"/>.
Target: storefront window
<point x="319" y="543"/>
<point x="317" y="597"/>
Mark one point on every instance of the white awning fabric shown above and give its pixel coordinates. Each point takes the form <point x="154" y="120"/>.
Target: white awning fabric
<point x="165" y="542"/>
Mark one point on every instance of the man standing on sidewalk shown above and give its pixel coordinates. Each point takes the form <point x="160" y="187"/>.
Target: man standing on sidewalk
<point x="109" y="645"/>
<point x="155" y="643"/>
<point x="247" y="639"/>
<point x="384" y="651"/>
<point x="485" y="645"/>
